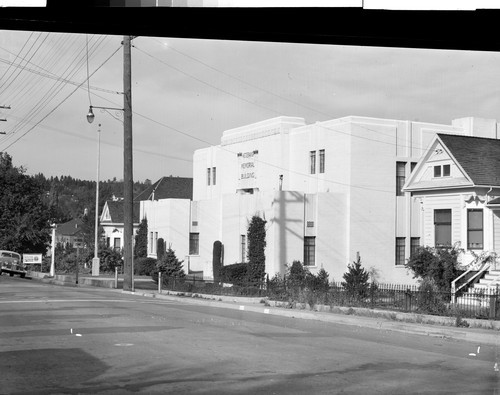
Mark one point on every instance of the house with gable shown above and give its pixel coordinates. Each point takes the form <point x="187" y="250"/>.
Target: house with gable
<point x="112" y="220"/>
<point x="70" y="233"/>
<point x="456" y="185"/>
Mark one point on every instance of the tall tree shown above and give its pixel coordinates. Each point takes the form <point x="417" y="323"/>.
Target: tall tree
<point x="24" y="216"/>
<point x="256" y="249"/>
<point x="141" y="240"/>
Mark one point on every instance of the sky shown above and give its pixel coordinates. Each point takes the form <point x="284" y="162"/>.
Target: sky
<point x="187" y="92"/>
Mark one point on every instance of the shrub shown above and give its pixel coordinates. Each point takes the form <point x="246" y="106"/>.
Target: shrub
<point x="429" y="299"/>
<point x="235" y="274"/>
<point x="144" y="266"/>
<point x="109" y="260"/>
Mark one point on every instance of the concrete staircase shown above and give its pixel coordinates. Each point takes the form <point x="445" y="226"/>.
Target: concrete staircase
<point x="479" y="294"/>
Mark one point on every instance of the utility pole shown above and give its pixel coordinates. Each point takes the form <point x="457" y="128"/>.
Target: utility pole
<point x="127" y="166"/>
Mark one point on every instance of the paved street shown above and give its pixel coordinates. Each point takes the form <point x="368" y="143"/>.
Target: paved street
<point x="64" y="340"/>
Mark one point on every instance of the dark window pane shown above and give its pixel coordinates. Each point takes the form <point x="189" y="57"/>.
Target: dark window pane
<point x="443" y="235"/>
<point x="442" y="216"/>
<point x="446" y="170"/>
<point x="437" y="171"/>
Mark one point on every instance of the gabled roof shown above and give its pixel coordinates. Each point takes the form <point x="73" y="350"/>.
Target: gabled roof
<point x="115" y="208"/>
<point x="168" y="188"/>
<point x="70" y="228"/>
<point x="479" y="157"/>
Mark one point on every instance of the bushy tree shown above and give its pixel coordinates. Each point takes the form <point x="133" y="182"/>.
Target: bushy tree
<point x="169" y="265"/>
<point x="256" y="249"/>
<point x="141" y="240"/>
<point x="356" y="282"/>
<point x="24" y="216"/>
<point x="437" y="264"/>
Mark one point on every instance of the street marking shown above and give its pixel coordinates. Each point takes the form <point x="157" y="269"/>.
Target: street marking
<point x="496" y="367"/>
<point x="478" y="349"/>
<point x="242" y="307"/>
<point x="78" y="335"/>
<point x="71" y="330"/>
<point x="472" y="354"/>
<point x="123" y="344"/>
<point x="266" y="311"/>
<point x="66" y="301"/>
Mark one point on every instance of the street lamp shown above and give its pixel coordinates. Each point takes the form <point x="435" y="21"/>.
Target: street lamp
<point x="90" y="119"/>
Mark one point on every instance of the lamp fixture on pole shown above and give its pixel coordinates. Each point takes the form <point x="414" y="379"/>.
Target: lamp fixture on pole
<point x="91" y="116"/>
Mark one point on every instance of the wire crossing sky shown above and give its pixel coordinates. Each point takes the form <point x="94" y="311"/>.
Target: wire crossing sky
<point x="186" y="92"/>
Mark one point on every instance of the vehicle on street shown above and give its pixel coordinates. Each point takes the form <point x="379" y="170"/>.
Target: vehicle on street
<point x="11" y="262"/>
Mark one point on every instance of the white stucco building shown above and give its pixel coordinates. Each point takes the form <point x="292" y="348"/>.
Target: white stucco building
<point x="327" y="191"/>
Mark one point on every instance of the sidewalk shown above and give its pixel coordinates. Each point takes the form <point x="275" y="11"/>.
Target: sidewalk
<point x="426" y="325"/>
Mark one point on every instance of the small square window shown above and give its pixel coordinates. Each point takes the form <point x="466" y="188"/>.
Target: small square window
<point x="446" y="170"/>
<point x="437" y="171"/>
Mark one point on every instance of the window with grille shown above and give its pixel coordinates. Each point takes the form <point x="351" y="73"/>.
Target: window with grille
<point x="400" y="250"/>
<point x="194" y="244"/>
<point x="309" y="250"/>
<point x="321" y="160"/>
<point x="414" y="245"/>
<point x="312" y="161"/>
<point x="400" y="177"/>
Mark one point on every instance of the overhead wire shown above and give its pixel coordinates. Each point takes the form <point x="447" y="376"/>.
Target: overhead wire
<point x="62" y="101"/>
<point x="278" y="96"/>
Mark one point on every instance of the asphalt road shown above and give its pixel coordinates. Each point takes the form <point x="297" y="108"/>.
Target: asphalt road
<point x="63" y="340"/>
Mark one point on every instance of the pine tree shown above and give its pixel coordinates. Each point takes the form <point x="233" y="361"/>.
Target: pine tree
<point x="169" y="265"/>
<point x="356" y="280"/>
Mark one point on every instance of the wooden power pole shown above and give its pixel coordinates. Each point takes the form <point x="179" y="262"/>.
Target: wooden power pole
<point x="128" y="182"/>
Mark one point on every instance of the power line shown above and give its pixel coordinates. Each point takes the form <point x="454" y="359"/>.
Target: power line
<point x="61" y="102"/>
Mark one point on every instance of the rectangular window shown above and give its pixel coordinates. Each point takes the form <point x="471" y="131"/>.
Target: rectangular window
<point x="321" y="160"/>
<point x="475" y="229"/>
<point x="214" y="177"/>
<point x="309" y="250"/>
<point x="156" y="243"/>
<point x="208" y="176"/>
<point x="442" y="171"/>
<point x="400" y="177"/>
<point x="442" y="228"/>
<point x="400" y="250"/>
<point x="312" y="160"/>
<point x="116" y="244"/>
<point x="243" y="248"/>
<point x="151" y="247"/>
<point x="414" y="245"/>
<point x="108" y="241"/>
<point x="194" y="244"/>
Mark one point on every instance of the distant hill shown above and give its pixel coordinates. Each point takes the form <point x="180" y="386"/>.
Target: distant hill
<point x="70" y="197"/>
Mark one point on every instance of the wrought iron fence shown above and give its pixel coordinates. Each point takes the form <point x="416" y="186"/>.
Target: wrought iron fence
<point x="392" y="297"/>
